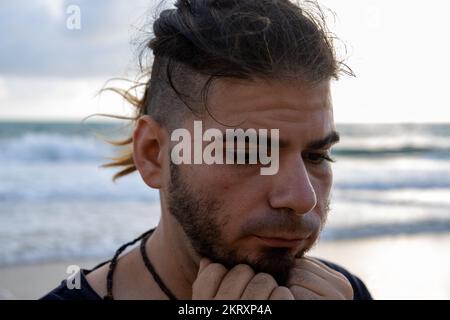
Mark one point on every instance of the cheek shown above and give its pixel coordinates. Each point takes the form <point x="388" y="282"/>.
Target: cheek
<point x="216" y="180"/>
<point x="322" y="181"/>
<point x="322" y="184"/>
<point x="224" y="178"/>
<point x="329" y="179"/>
<point x="238" y="193"/>
<point x="228" y="191"/>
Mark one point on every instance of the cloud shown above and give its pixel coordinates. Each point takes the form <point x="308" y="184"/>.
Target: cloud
<point x="47" y="70"/>
<point x="3" y="90"/>
<point x="36" y="41"/>
<point x="55" y="8"/>
<point x="57" y="98"/>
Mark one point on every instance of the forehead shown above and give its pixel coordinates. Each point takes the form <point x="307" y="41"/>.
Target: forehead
<point x="300" y="111"/>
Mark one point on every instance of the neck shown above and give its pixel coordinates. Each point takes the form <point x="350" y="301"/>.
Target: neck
<point x="173" y="258"/>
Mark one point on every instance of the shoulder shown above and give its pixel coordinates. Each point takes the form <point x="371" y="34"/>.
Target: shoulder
<point x="66" y="291"/>
<point x="360" y="291"/>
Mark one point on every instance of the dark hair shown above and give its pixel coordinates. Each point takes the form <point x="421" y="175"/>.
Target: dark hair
<point x="203" y="40"/>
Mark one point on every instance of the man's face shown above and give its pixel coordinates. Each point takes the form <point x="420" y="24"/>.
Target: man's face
<point x="232" y="213"/>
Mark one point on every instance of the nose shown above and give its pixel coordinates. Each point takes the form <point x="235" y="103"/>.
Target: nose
<point x="292" y="189"/>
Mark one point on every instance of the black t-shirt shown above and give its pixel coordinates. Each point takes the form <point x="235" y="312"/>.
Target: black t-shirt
<point x="62" y="292"/>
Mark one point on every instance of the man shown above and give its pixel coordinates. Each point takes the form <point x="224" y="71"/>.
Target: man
<point x="227" y="231"/>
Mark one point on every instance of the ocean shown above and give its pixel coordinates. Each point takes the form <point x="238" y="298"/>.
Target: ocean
<point x="57" y="203"/>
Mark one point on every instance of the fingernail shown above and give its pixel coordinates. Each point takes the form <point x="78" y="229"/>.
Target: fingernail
<point x="204" y="262"/>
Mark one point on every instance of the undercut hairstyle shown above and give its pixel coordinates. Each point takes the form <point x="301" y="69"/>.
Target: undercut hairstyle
<point x="200" y="41"/>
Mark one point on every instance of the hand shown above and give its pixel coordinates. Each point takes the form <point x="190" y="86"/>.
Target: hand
<point x="312" y="280"/>
<point x="214" y="281"/>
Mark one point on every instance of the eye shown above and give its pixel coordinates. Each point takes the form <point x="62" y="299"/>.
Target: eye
<point x="319" y="158"/>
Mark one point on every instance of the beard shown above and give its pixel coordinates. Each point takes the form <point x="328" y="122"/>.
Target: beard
<point x="198" y="215"/>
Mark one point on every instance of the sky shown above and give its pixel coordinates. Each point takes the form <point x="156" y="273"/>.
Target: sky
<point x="52" y="65"/>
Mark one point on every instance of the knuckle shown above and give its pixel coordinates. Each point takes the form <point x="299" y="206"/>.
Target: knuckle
<point x="282" y="290"/>
<point x="346" y="287"/>
<point x="211" y="274"/>
<point x="302" y="294"/>
<point x="297" y="277"/>
<point x="213" y="270"/>
<point x="263" y="279"/>
<point x="243" y="268"/>
<point x="341" y="276"/>
<point x="348" y="291"/>
<point x="343" y="285"/>
<point x="217" y="267"/>
<point x="301" y="278"/>
<point x="344" y="282"/>
<point x="282" y="293"/>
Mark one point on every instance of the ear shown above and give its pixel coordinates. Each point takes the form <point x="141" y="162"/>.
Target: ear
<point x="148" y="150"/>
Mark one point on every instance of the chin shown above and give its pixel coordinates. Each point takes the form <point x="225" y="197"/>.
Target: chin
<point x="275" y="261"/>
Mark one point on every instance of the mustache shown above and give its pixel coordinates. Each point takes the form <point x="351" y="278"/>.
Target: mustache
<point x="284" y="222"/>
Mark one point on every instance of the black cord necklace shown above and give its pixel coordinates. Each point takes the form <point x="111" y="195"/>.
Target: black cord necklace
<point x="152" y="271"/>
<point x="113" y="262"/>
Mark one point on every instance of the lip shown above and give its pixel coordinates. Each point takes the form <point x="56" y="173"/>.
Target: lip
<point x="280" y="242"/>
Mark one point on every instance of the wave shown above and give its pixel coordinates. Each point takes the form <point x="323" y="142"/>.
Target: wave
<point x="407" y="183"/>
<point x="45" y="147"/>
<point x="71" y="183"/>
<point x="389" y="174"/>
<point x="404" y="145"/>
<point x="58" y="147"/>
<point x="77" y="249"/>
<point x="434" y="226"/>
<point x="407" y="150"/>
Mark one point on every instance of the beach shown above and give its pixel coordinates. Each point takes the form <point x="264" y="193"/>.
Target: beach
<point x="389" y="221"/>
<point x="406" y="267"/>
<point x="342" y="106"/>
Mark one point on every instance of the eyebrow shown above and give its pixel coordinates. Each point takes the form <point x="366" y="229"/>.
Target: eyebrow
<point x="332" y="138"/>
<point x="281" y="143"/>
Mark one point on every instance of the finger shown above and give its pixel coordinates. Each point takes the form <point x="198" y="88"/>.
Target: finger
<point x="320" y="269"/>
<point x="309" y="280"/>
<point x="260" y="287"/>
<point x="323" y="266"/>
<point x="204" y="262"/>
<point x="301" y="293"/>
<point x="281" y="293"/>
<point x="235" y="282"/>
<point x="340" y="281"/>
<point x="208" y="281"/>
